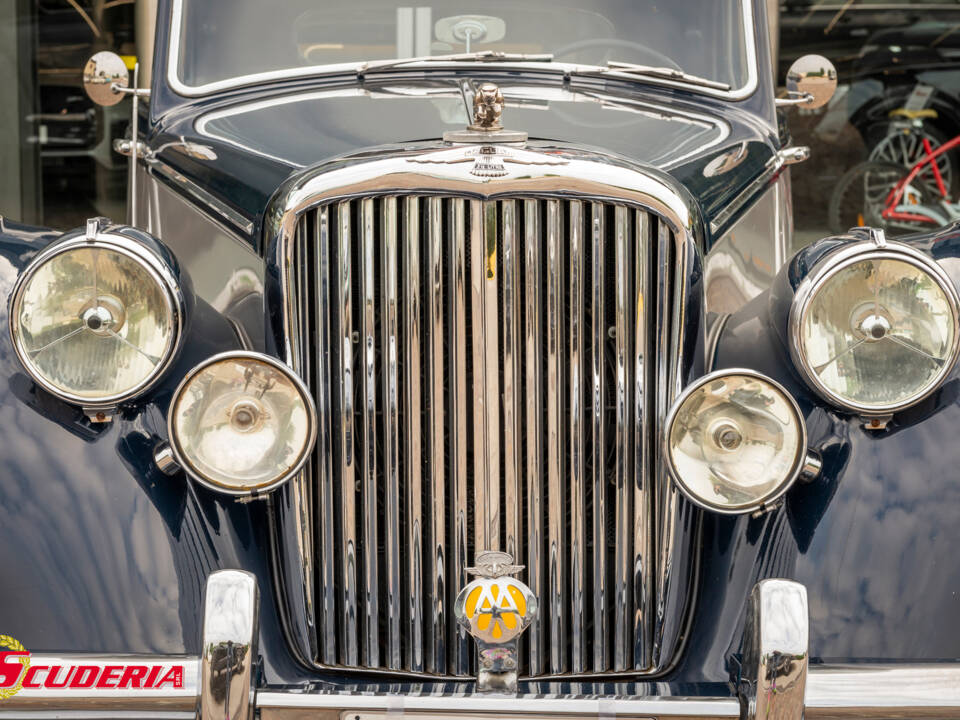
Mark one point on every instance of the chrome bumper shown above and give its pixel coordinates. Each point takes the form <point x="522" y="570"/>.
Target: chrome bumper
<point x="775" y="682"/>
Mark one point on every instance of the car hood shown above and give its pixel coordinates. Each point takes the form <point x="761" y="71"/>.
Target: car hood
<point x="254" y="144"/>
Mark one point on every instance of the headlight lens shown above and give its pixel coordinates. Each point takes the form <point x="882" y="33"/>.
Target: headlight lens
<point x="242" y="423"/>
<point x="876" y="333"/>
<point x="735" y="441"/>
<point x="95" y="321"/>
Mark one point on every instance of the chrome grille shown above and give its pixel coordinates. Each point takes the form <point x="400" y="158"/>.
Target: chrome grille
<point x="480" y="368"/>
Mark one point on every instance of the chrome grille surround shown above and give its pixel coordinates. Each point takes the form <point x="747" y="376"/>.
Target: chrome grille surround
<point x="505" y="294"/>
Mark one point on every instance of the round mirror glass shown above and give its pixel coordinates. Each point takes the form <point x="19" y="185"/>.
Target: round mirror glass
<point x="815" y="76"/>
<point x="100" y="73"/>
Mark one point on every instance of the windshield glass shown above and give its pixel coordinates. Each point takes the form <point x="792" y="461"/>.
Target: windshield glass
<point x="216" y="41"/>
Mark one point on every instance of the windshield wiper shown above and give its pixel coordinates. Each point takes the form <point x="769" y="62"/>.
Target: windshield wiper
<point x="666" y="73"/>
<point x="490" y="56"/>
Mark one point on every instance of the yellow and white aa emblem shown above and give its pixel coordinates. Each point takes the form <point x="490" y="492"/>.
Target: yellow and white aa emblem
<point x="495" y="609"/>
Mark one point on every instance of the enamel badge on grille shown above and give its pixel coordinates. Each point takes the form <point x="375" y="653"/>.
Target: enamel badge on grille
<point x="495" y="609"/>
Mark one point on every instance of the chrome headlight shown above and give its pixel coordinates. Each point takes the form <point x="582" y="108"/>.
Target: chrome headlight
<point x="875" y="328"/>
<point x="95" y="319"/>
<point x="735" y="441"/>
<point x="241" y="423"/>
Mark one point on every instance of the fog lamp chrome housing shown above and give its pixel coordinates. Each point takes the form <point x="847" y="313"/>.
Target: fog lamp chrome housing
<point x="242" y="423"/>
<point x="735" y="441"/>
<point x="95" y="319"/>
<point x="875" y="327"/>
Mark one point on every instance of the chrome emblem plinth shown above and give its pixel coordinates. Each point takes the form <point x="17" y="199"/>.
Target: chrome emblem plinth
<point x="486" y="126"/>
<point x="495" y="609"/>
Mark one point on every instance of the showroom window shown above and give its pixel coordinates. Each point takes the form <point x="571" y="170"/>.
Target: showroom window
<point x="885" y="149"/>
<point x="59" y="165"/>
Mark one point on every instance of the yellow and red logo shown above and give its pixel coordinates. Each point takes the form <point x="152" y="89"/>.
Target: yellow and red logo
<point x="20" y="671"/>
<point x="14" y="663"/>
<point x="495" y="608"/>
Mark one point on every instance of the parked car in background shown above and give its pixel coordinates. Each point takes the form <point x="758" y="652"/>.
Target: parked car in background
<point x="458" y="361"/>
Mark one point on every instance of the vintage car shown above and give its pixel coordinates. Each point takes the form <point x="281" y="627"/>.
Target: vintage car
<point x="461" y="365"/>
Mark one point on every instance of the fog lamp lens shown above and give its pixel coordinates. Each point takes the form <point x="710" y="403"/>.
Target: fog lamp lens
<point x="735" y="441"/>
<point x="95" y="322"/>
<point x="242" y="423"/>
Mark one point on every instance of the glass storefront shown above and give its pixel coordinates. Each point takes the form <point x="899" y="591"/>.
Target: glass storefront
<point x="885" y="149"/>
<point x="882" y="148"/>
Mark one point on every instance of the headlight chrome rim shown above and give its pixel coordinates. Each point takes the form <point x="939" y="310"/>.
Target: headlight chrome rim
<point x="835" y="263"/>
<point x="207" y="482"/>
<point x="784" y="486"/>
<point x="152" y="264"/>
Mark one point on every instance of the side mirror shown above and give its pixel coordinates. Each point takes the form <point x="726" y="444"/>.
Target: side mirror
<point x="811" y="82"/>
<point x="105" y="78"/>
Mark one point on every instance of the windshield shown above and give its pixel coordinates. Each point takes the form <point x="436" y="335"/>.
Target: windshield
<point x="216" y="43"/>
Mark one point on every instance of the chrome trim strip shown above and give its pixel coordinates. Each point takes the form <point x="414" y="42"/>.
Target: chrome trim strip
<point x="598" y="354"/>
<point x="349" y="650"/>
<point x="623" y="624"/>
<point x="533" y="395"/>
<point x="883" y="691"/>
<point x="459" y="662"/>
<point x="578" y="416"/>
<point x="323" y="457"/>
<point x="493" y="706"/>
<point x="371" y="507"/>
<point x="437" y="628"/>
<point x="556" y="562"/>
<point x="351" y="68"/>
<point x="775" y="651"/>
<point x="413" y="434"/>
<point x="391" y="428"/>
<point x="199" y="195"/>
<point x="769" y="174"/>
<point x="644" y="425"/>
<point x="230" y="628"/>
<point x="512" y="379"/>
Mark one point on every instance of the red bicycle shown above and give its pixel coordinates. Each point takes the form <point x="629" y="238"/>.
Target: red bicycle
<point x="901" y="199"/>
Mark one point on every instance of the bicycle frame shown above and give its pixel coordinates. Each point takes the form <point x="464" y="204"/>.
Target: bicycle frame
<point x="891" y="209"/>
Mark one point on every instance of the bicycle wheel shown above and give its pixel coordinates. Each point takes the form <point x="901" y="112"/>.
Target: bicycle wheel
<point x="861" y="193"/>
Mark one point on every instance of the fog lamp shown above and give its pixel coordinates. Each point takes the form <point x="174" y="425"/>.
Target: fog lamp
<point x="95" y="319"/>
<point x="242" y="423"/>
<point x="735" y="441"/>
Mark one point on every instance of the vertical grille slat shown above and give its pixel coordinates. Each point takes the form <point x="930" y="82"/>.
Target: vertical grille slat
<point x="512" y="381"/>
<point x="555" y="440"/>
<point x="349" y="626"/>
<point x="598" y="337"/>
<point x="389" y="319"/>
<point x="533" y="388"/>
<point x="436" y="416"/>
<point x="371" y="507"/>
<point x="643" y="448"/>
<point x="414" y="437"/>
<point x="323" y="461"/>
<point x="623" y="621"/>
<point x="578" y="417"/>
<point x="458" y="394"/>
<point x="484" y="374"/>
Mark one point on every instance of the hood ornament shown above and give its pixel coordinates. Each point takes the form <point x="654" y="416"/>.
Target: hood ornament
<point x="495" y="609"/>
<point x="486" y="126"/>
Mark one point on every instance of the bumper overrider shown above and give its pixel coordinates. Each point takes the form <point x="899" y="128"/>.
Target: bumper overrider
<point x="775" y="679"/>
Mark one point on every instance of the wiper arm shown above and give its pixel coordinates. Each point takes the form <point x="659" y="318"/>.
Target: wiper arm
<point x="666" y="73"/>
<point x="490" y="56"/>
